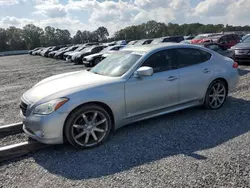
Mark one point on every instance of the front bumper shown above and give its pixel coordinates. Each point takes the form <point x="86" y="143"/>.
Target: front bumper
<point x="47" y="129"/>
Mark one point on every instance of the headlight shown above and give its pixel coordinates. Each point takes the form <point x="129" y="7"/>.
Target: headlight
<point x="49" y="107"/>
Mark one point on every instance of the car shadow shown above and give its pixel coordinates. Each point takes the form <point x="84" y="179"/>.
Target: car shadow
<point x="185" y="132"/>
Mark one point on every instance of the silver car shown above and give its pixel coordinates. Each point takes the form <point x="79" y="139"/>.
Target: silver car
<point x="133" y="84"/>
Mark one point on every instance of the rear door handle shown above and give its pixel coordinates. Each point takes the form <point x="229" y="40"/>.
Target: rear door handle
<point x="172" y="78"/>
<point x="206" y="70"/>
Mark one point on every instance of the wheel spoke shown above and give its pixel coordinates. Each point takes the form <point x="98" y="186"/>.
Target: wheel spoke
<point x="222" y="90"/>
<point x="87" y="138"/>
<point x="213" y="89"/>
<point x="218" y="87"/>
<point x="220" y="100"/>
<point x="221" y="96"/>
<point x="80" y="135"/>
<point x="211" y="102"/>
<point x="211" y="96"/>
<point x="100" y="122"/>
<point x="94" y="117"/>
<point x="94" y="135"/>
<point x="216" y="102"/>
<point x="98" y="130"/>
<point x="85" y="118"/>
<point x="79" y="126"/>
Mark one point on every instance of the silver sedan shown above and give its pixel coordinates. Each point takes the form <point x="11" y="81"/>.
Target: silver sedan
<point x="133" y="84"/>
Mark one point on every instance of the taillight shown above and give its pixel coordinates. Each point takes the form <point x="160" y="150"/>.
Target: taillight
<point x="235" y="65"/>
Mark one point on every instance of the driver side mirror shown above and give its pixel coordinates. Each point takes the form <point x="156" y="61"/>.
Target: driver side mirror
<point x="143" y="72"/>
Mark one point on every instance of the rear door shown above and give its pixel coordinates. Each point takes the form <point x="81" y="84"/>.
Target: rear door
<point x="196" y="73"/>
<point x="232" y="40"/>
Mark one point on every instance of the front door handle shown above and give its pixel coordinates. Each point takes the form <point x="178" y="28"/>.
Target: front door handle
<point x="172" y="78"/>
<point x="206" y="70"/>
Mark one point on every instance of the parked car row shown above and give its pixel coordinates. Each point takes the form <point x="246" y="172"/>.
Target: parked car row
<point x="90" y="54"/>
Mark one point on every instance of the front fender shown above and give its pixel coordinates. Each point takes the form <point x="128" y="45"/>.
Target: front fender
<point x="112" y="95"/>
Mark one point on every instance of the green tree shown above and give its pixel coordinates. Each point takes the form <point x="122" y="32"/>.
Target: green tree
<point x="62" y="37"/>
<point x="31" y="35"/>
<point x="101" y="33"/>
<point x="15" y="39"/>
<point x="3" y="40"/>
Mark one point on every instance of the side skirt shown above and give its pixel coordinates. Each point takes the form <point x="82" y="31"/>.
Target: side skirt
<point x="160" y="112"/>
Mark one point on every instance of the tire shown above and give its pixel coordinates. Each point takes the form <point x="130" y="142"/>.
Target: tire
<point x="76" y="125"/>
<point x="215" y="96"/>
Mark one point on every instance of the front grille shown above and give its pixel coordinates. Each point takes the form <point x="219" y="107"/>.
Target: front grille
<point x="23" y="107"/>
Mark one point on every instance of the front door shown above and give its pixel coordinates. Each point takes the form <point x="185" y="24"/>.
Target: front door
<point x="161" y="90"/>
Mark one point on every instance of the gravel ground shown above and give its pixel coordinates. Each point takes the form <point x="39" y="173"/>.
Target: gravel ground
<point x="190" y="148"/>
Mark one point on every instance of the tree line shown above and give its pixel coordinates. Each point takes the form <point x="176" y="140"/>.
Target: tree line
<point x="31" y="36"/>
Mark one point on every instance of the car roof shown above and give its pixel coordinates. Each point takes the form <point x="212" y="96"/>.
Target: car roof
<point x="151" y="47"/>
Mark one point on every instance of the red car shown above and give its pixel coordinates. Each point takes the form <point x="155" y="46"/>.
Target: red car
<point x="227" y="41"/>
<point x="200" y="37"/>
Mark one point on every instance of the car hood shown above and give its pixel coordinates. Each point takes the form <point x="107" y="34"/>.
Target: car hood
<point x="93" y="55"/>
<point x="241" y="46"/>
<point x="63" y="82"/>
<point x="72" y="53"/>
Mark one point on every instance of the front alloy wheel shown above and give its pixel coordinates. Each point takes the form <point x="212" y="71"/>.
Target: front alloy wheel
<point x="88" y="127"/>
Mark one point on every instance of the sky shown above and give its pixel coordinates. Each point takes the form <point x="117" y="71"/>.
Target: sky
<point x="116" y="14"/>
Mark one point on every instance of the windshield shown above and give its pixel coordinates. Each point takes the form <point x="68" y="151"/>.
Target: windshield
<point x="106" y="49"/>
<point x="79" y="48"/>
<point x="140" y="42"/>
<point x="156" y="41"/>
<point x="86" y="49"/>
<point x="247" y="39"/>
<point x="116" y="64"/>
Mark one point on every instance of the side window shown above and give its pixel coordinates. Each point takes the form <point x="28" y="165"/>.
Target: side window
<point x="205" y="55"/>
<point x="223" y="40"/>
<point x="116" y="48"/>
<point x="188" y="57"/>
<point x="95" y="50"/>
<point x="237" y="37"/>
<point x="230" y="38"/>
<point x="166" y="40"/>
<point x="160" y="61"/>
<point x="215" y="47"/>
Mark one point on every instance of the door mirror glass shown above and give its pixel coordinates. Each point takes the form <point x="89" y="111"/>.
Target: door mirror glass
<point x="144" y="71"/>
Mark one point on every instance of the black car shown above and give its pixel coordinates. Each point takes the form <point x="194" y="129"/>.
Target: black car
<point x="217" y="48"/>
<point x="168" y="39"/>
<point x="143" y="42"/>
<point x="59" y="54"/>
<point x="241" y="51"/>
<point x="54" y="48"/>
<point x="30" y="51"/>
<point x="88" y="51"/>
<point x="94" y="59"/>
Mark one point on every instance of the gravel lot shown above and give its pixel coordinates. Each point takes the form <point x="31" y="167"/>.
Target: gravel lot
<point x="190" y="148"/>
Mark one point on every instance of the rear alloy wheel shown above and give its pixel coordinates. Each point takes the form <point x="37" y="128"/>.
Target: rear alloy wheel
<point x="216" y="95"/>
<point x="88" y="127"/>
